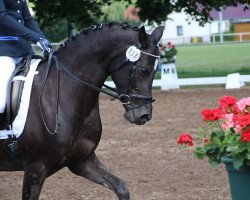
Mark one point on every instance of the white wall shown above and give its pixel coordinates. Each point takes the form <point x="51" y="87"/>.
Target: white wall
<point x="191" y="29"/>
<point x="215" y="26"/>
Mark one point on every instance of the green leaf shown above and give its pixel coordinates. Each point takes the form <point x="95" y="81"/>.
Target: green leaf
<point x="234" y="149"/>
<point x="213" y="162"/>
<point x="211" y="148"/>
<point x="238" y="162"/>
<point x="248" y="146"/>
<point x="199" y="153"/>
<point x="248" y="162"/>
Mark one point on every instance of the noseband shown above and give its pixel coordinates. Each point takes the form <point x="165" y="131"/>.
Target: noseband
<point x="125" y="98"/>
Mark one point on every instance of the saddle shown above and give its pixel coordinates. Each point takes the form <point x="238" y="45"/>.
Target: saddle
<point x="15" y="91"/>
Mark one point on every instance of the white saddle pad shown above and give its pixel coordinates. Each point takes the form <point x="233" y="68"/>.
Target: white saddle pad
<point x="19" y="122"/>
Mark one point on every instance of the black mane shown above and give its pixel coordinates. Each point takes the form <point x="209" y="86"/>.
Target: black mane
<point x="109" y="24"/>
<point x="98" y="27"/>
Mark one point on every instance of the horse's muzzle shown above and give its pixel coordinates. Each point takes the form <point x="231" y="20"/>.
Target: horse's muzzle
<point x="140" y="115"/>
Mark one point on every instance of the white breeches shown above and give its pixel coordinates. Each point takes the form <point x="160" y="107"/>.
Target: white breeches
<point x="7" y="66"/>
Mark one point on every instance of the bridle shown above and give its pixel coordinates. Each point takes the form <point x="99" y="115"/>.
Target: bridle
<point x="125" y="98"/>
<point x="131" y="60"/>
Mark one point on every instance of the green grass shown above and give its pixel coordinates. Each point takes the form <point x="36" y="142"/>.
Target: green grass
<point x="213" y="60"/>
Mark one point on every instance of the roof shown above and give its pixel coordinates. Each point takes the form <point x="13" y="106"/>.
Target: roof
<point x="232" y="13"/>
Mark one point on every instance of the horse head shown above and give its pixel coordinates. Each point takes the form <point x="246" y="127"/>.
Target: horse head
<point x="129" y="55"/>
<point x="134" y="76"/>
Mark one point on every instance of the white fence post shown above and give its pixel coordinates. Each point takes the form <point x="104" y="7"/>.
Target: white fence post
<point x="234" y="81"/>
<point x="169" y="77"/>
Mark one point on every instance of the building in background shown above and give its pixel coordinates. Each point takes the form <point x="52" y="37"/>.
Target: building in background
<point x="181" y="29"/>
<point x="237" y="18"/>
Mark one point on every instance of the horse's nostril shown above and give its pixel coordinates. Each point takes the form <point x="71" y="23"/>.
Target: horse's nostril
<point x="146" y="117"/>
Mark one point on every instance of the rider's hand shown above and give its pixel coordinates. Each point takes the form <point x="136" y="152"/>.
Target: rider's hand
<point x="45" y="46"/>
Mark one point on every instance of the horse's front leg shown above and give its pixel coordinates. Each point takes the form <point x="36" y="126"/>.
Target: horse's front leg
<point x="34" y="177"/>
<point x="93" y="170"/>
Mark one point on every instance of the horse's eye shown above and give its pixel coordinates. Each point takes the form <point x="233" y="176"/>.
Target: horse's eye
<point x="145" y="71"/>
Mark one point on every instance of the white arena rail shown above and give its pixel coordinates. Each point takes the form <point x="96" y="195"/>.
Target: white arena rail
<point x="193" y="81"/>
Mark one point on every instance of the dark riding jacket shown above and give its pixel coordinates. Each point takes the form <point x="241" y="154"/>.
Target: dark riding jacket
<point x="17" y="29"/>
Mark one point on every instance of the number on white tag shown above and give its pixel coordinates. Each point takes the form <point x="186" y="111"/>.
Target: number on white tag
<point x="133" y="54"/>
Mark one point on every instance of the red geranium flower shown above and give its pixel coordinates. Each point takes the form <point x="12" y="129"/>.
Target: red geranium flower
<point x="243" y="120"/>
<point x="211" y="115"/>
<point x="245" y="136"/>
<point x="207" y="114"/>
<point x="217" y="112"/>
<point x="185" y="138"/>
<point x="236" y="109"/>
<point x="227" y="101"/>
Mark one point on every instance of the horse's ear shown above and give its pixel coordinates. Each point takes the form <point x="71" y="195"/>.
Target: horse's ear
<point x="157" y="33"/>
<point x="143" y="37"/>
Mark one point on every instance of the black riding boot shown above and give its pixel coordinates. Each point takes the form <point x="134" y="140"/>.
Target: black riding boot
<point x="1" y="120"/>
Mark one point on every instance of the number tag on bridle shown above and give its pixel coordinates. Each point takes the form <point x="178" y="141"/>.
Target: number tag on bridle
<point x="133" y="54"/>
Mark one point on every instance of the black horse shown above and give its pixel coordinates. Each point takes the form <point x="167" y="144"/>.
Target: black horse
<point x="64" y="129"/>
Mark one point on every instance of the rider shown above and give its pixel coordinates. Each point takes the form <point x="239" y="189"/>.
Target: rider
<point x="17" y="29"/>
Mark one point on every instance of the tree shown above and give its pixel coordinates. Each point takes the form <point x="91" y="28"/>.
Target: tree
<point x="79" y="12"/>
<point x="86" y="12"/>
<point x="115" y="11"/>
<point x="57" y="32"/>
<point x="158" y="10"/>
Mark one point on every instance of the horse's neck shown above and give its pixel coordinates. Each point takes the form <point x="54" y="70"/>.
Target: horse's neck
<point x="90" y="64"/>
<point x="84" y="56"/>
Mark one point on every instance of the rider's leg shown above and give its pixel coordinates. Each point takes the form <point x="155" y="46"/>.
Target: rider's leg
<point x="7" y="66"/>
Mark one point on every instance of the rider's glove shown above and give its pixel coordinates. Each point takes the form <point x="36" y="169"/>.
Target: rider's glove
<point x="45" y="46"/>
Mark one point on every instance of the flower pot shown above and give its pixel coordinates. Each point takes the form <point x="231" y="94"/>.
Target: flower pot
<point x="239" y="180"/>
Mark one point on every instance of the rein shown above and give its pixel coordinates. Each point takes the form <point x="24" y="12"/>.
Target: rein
<point x="57" y="123"/>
